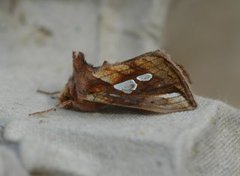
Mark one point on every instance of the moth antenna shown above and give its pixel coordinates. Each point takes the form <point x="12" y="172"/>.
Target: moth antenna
<point x="42" y="112"/>
<point x="54" y="97"/>
<point x="48" y="93"/>
<point x="65" y="104"/>
<point x="45" y="111"/>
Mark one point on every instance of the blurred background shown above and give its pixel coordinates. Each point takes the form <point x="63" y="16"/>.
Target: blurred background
<point x="202" y="35"/>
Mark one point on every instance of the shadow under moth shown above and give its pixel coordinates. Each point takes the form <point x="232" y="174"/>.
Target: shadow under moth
<point x="151" y="82"/>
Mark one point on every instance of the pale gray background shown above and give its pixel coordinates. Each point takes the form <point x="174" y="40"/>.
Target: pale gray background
<point x="201" y="35"/>
<point x="36" y="41"/>
<point x="205" y="37"/>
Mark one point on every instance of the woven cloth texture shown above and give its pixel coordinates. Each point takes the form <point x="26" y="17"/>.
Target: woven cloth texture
<point x="36" y="42"/>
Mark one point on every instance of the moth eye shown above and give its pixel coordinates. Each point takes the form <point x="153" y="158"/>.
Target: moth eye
<point x="145" y="77"/>
<point x="126" y="86"/>
<point x="66" y="97"/>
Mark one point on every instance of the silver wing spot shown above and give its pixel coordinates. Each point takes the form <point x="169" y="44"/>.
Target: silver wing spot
<point x="126" y="86"/>
<point x="145" y="77"/>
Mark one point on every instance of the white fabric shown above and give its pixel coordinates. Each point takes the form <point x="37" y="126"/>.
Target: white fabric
<point x="115" y="142"/>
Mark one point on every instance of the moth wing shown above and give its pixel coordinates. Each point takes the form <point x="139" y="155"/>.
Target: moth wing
<point x="162" y="104"/>
<point x="151" y="81"/>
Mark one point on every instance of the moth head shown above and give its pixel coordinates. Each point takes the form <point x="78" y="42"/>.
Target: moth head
<point x="68" y="91"/>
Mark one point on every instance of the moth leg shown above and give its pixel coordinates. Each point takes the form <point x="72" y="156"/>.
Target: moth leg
<point x="87" y="106"/>
<point x="66" y="104"/>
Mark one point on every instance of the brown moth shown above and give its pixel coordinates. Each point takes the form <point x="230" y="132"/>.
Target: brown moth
<point x="151" y="82"/>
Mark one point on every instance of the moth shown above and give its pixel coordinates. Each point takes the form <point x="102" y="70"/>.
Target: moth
<point x="151" y="82"/>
